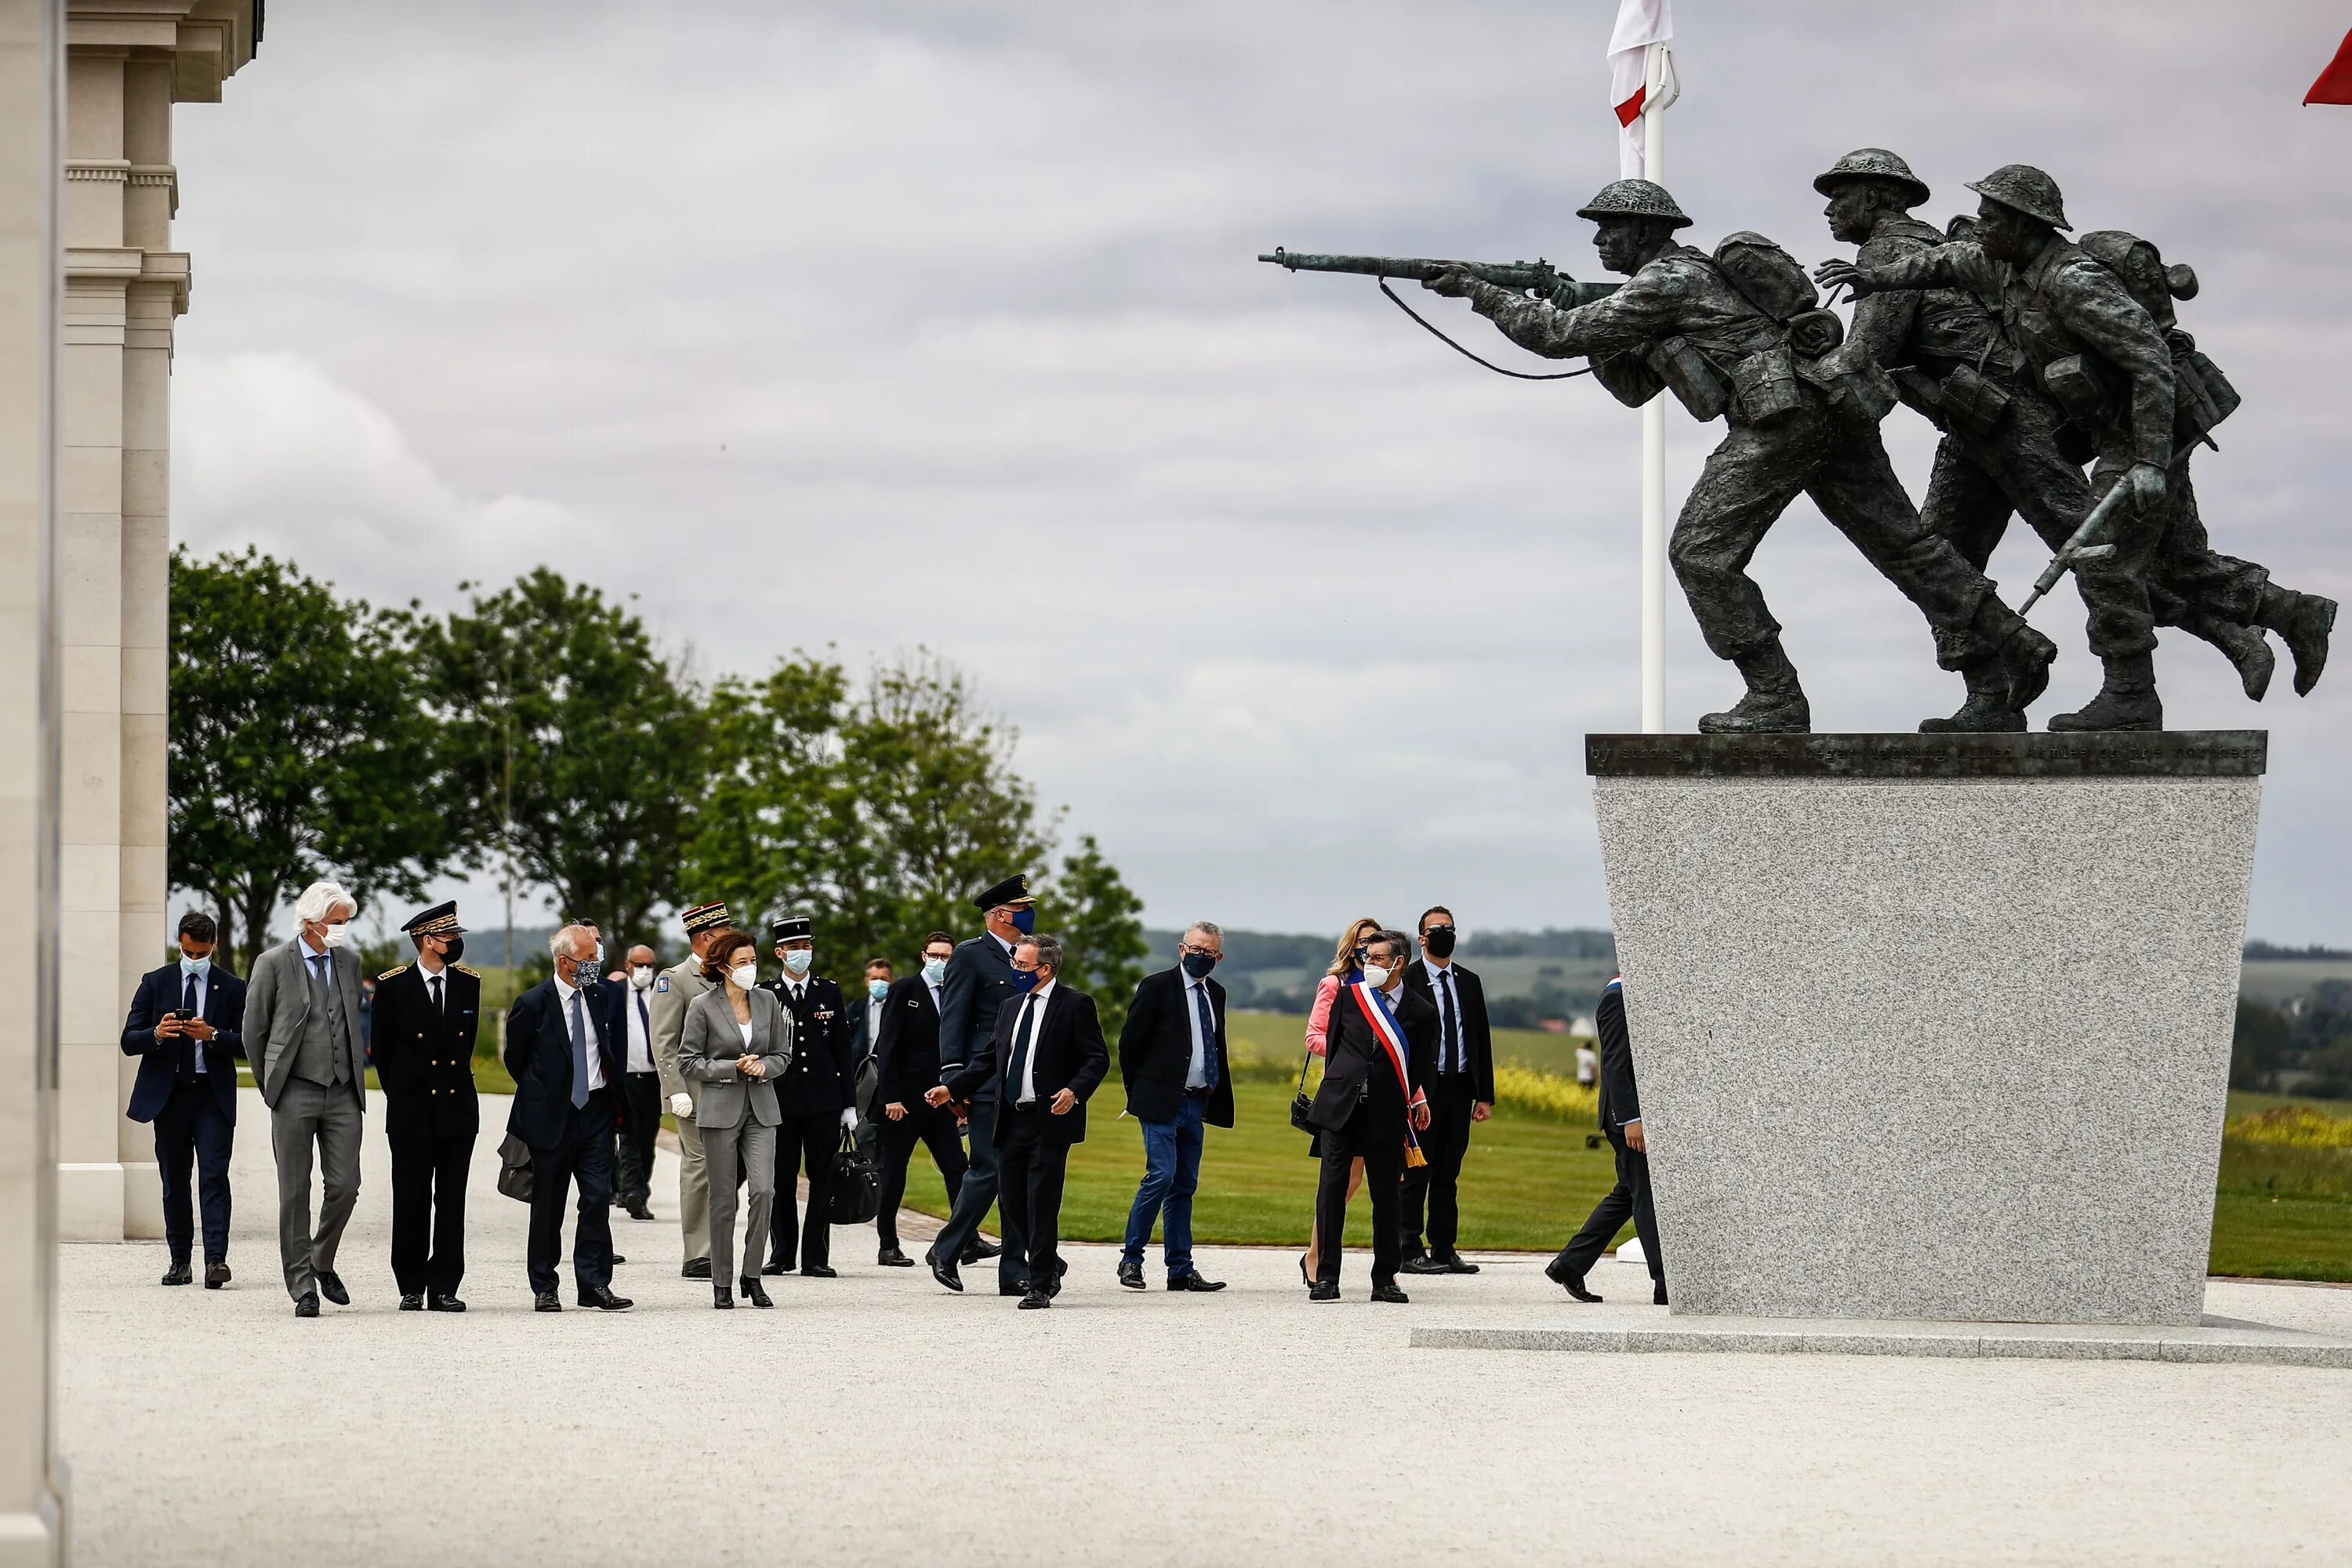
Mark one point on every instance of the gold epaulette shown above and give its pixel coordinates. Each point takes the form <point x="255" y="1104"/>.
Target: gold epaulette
<point x="388" y="974"/>
<point x="464" y="969"/>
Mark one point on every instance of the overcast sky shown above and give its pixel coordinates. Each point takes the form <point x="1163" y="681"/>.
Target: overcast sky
<point x="939" y="323"/>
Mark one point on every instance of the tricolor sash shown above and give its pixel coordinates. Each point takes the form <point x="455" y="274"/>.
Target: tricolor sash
<point x="1391" y="1038"/>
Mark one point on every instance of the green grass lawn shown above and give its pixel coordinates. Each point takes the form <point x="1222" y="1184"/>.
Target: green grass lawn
<point x="1279" y="1036"/>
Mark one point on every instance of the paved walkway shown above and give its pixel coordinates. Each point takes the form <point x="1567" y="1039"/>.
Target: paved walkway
<point x="875" y="1418"/>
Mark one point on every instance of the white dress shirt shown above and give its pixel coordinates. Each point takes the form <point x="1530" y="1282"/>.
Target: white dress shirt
<point x="1033" y="1007"/>
<point x="873" y="1021"/>
<point x="565" y="992"/>
<point x="1196" y="994"/>
<point x="641" y="1046"/>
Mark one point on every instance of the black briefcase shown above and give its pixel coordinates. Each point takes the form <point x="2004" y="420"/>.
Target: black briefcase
<point x="856" y="1184"/>
<point x="514" y="1169"/>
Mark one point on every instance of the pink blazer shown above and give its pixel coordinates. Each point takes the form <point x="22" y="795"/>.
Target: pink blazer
<point x="1318" y="1017"/>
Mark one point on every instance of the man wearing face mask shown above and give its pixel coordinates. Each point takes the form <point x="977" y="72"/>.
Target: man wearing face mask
<point x="906" y="1069"/>
<point x="673" y="989"/>
<point x="978" y="982"/>
<point x="1172" y="1057"/>
<point x="302" y="1036"/>
<point x="567" y="1065"/>
<point x="427" y="1017"/>
<point x="1461" y="1092"/>
<point x="1378" y="1053"/>
<point x="813" y="1096"/>
<point x="186" y="1027"/>
<point x="641" y="1095"/>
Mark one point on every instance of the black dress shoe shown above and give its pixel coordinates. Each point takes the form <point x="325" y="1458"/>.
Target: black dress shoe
<point x="1658" y="1296"/>
<point x="1017" y="1288"/>
<point x="618" y="1259"/>
<point x="1035" y="1300"/>
<point x="942" y="1271"/>
<point x="1571" y="1283"/>
<point x="331" y="1286"/>
<point x="696" y="1268"/>
<point x="1423" y="1264"/>
<point x="215" y="1275"/>
<point x="1390" y="1293"/>
<point x="305" y="1305"/>
<point x="603" y="1300"/>
<point x="755" y="1293"/>
<point x="545" y="1302"/>
<point x="773" y="1268"/>
<point x="178" y="1274"/>
<point x="637" y="1209"/>
<point x="1131" y="1275"/>
<point x="1456" y="1264"/>
<point x="979" y="1251"/>
<point x="1409" y="1257"/>
<point x="411" y="1303"/>
<point x="1194" y="1282"/>
<point x="1320" y="1292"/>
<point x="435" y="1301"/>
<point x="819" y="1271"/>
<point x="891" y="1257"/>
<point x="722" y="1298"/>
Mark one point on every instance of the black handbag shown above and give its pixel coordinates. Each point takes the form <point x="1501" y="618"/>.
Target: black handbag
<point x="1302" y="1103"/>
<point x="856" y="1184"/>
<point x="514" y="1169"/>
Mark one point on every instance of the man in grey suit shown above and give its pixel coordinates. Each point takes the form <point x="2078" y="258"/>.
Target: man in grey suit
<point x="302" y="1036"/>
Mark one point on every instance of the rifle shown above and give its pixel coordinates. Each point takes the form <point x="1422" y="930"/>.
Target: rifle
<point x="1538" y="276"/>
<point x="2089" y="541"/>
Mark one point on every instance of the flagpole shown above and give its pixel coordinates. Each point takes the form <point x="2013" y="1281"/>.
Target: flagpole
<point x="1654" y="102"/>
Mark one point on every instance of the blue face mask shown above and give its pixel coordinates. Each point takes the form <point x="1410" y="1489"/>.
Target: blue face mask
<point x="1198" y="964"/>
<point x="194" y="965"/>
<point x="877" y="989"/>
<point x="935" y="970"/>
<point x="1025" y="979"/>
<point x="1024" y="920"/>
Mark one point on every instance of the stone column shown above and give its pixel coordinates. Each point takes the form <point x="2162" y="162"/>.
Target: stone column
<point x="32" y="1483"/>
<point x="126" y="65"/>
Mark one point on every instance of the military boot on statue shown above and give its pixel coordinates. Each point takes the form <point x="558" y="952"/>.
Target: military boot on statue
<point x="2248" y="651"/>
<point x="2303" y="622"/>
<point x="1988" y="710"/>
<point x="2025" y="655"/>
<point x="1775" y="703"/>
<point x="2128" y="700"/>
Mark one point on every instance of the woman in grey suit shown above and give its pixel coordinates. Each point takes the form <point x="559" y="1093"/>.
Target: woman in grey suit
<point x="737" y="1041"/>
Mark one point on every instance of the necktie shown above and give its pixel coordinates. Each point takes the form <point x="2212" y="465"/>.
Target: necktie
<point x="188" y="1051"/>
<point x="436" y="994"/>
<point x="1208" y="1037"/>
<point x="1450" y="1058"/>
<point x="643" y="1022"/>
<point x="1020" y="1073"/>
<point x="579" y="1055"/>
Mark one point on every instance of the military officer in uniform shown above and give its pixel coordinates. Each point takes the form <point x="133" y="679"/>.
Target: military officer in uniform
<point x="977" y="983"/>
<point x="427" y="1017"/>
<point x="673" y="989"/>
<point x="814" y="1097"/>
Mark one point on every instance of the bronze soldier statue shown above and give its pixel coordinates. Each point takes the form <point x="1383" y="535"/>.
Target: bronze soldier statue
<point x="2081" y="368"/>
<point x="1734" y="334"/>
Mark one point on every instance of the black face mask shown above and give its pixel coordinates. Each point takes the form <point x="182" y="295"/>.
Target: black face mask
<point x="1440" y="942"/>
<point x="454" y="951"/>
<point x="1198" y="964"/>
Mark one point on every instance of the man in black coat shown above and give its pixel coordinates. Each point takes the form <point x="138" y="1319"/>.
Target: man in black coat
<point x="426" y="1016"/>
<point x="979" y="981"/>
<point x="907" y="1067"/>
<point x="566" y="1066"/>
<point x="1048" y="1055"/>
<point x="1620" y="1122"/>
<point x="1378" y="1051"/>
<point x="185" y="1027"/>
<point x="1172" y="1057"/>
<point x="814" y="1097"/>
<point x="1460" y="1091"/>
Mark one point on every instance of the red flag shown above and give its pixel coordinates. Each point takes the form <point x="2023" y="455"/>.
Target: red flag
<point x="2334" y="83"/>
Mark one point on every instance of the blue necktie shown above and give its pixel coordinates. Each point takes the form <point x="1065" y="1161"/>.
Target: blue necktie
<point x="1020" y="1071"/>
<point x="579" y="1055"/>
<point x="1208" y="1037"/>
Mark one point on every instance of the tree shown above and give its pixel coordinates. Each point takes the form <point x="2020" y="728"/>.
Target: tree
<point x="1100" y="922"/>
<point x="573" y="746"/>
<point x="295" y="750"/>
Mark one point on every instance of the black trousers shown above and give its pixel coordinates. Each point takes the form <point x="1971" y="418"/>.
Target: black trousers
<point x="1631" y="1196"/>
<point x="809" y="1139"/>
<point x="428" y="1211"/>
<point x="1444" y="1143"/>
<point x="583" y="1156"/>
<point x="1376" y="1134"/>
<point x="1031" y="1167"/>
<point x="191" y="1131"/>
<point x="934" y="1127"/>
<point x="633" y="1151"/>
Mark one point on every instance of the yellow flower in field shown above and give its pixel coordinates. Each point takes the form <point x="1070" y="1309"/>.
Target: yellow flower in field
<point x="1546" y="1094"/>
<point x="2294" y="1126"/>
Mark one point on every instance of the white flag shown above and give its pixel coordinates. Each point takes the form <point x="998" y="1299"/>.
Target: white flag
<point x="1640" y="24"/>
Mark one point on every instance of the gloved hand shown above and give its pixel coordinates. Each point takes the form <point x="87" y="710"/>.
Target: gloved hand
<point x="849" y="1120"/>
<point x="681" y="1104"/>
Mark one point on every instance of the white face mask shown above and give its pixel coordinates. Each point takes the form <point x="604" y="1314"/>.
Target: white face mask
<point x="745" y="976"/>
<point x="642" y="976"/>
<point x="1376" y="977"/>
<point x="935" y="970"/>
<point x="337" y="934"/>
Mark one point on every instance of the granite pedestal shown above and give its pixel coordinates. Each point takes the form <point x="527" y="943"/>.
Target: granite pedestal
<point x="1932" y="1026"/>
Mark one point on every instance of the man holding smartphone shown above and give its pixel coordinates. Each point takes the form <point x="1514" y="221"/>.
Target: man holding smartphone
<point x="186" y="1027"/>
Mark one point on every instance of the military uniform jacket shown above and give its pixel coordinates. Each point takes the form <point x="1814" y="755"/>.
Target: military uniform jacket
<point x="978" y="982"/>
<point x="424" y="1059"/>
<point x="1931" y="329"/>
<point x="819" y="1080"/>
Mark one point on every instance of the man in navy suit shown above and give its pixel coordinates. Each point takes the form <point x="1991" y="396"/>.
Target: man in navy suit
<point x="187" y="1026"/>
<point x="978" y="982"/>
<point x="567" y="1069"/>
<point x="906" y="1068"/>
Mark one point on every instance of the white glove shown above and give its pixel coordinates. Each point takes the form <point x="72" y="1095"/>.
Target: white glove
<point x="681" y="1104"/>
<point x="849" y="1120"/>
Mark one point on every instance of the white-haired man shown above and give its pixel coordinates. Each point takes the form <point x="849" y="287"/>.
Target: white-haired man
<point x="302" y="1036"/>
<point x="568" y="1067"/>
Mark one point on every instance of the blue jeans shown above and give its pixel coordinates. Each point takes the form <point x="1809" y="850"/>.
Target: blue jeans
<point x="1172" y="1174"/>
